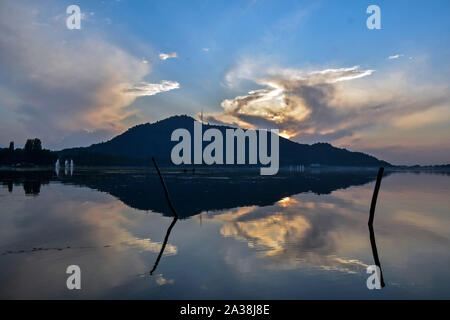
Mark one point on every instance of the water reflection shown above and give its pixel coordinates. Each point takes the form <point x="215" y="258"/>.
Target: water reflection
<point x="208" y="190"/>
<point x="295" y="232"/>
<point x="31" y="181"/>
<point x="283" y="244"/>
<point x="373" y="243"/>
<point x="163" y="247"/>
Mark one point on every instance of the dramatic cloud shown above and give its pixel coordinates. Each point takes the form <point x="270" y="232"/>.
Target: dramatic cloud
<point x="294" y="101"/>
<point x="64" y="85"/>
<point x="165" y="56"/>
<point x="349" y="107"/>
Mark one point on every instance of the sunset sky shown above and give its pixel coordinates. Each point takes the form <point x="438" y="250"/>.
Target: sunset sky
<point x="309" y="68"/>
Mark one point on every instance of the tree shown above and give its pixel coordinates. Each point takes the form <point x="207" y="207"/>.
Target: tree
<point x="37" y="145"/>
<point x="32" y="153"/>
<point x="28" y="146"/>
<point x="33" y="145"/>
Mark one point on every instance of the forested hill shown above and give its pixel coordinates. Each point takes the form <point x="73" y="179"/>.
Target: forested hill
<point x="138" y="144"/>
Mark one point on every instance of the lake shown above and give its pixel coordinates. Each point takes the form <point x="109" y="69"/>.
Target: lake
<point x="297" y="235"/>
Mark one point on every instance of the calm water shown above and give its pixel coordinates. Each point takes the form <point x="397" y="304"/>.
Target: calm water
<point x="293" y="236"/>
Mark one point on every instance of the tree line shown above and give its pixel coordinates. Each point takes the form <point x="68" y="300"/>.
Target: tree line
<point x="31" y="154"/>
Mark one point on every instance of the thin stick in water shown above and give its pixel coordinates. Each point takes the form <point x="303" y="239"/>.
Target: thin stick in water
<point x="166" y="192"/>
<point x="375" y="195"/>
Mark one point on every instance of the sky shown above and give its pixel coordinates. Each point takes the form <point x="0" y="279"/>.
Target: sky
<point x="311" y="69"/>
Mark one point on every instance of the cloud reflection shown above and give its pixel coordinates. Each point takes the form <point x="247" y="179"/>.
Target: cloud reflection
<point x="330" y="233"/>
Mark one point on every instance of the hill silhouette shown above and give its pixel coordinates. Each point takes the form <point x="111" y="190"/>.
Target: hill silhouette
<point x="137" y="145"/>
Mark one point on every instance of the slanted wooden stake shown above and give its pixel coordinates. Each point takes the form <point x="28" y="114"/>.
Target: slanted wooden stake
<point x="375" y="195"/>
<point x="166" y="192"/>
<point x="166" y="238"/>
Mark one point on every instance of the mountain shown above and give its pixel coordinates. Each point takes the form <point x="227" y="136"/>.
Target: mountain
<point x="138" y="144"/>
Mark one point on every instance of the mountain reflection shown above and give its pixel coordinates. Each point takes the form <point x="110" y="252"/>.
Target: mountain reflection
<point x="290" y="236"/>
<point x="269" y="213"/>
<point x="197" y="192"/>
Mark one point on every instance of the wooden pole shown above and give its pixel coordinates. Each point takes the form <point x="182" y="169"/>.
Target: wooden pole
<point x="166" y="192"/>
<point x="375" y="195"/>
<point x="373" y="243"/>
<point x="166" y="238"/>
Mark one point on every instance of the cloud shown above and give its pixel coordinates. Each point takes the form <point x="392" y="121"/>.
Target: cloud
<point x="63" y="83"/>
<point x="395" y="56"/>
<point x="150" y="89"/>
<point x="350" y="107"/>
<point x="422" y="118"/>
<point x="165" y="56"/>
<point x="295" y="101"/>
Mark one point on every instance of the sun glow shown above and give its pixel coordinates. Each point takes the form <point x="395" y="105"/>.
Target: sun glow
<point x="286" y="134"/>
